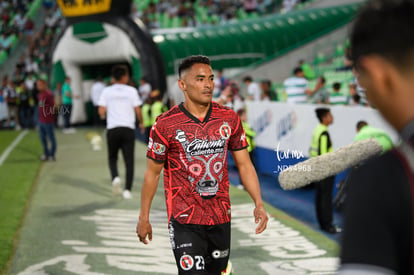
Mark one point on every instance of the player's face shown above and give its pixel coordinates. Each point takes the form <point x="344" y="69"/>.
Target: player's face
<point x="197" y="84"/>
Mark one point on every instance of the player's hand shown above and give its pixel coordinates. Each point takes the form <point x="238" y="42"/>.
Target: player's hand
<point x="144" y="229"/>
<point x="260" y="217"/>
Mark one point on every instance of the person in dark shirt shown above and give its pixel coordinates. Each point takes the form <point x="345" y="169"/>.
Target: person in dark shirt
<point x="378" y="220"/>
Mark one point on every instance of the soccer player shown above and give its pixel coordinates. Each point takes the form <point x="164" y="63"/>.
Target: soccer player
<point x="191" y="142"/>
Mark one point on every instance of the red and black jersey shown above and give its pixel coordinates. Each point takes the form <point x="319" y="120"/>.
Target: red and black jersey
<point x="194" y="153"/>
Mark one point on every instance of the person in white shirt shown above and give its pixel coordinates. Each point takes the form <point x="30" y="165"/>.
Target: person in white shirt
<point x="96" y="92"/>
<point x="296" y="87"/>
<point x="120" y="105"/>
<point x="254" y="91"/>
<point x="144" y="89"/>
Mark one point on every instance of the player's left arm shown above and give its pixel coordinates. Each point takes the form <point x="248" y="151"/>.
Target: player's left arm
<point x="251" y="183"/>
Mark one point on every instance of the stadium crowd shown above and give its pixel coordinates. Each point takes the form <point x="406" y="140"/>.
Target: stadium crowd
<point x="18" y="93"/>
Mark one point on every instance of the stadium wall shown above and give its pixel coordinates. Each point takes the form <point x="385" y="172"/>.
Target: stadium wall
<point x="284" y="131"/>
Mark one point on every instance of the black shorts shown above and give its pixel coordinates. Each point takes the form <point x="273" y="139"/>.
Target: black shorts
<point x="200" y="249"/>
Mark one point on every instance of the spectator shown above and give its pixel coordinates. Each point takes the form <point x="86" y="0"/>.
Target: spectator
<point x="67" y="96"/>
<point x="250" y="6"/>
<point x="337" y="97"/>
<point x="268" y="92"/>
<point x="28" y="29"/>
<point x="347" y="65"/>
<point x="19" y="20"/>
<point x="253" y="89"/>
<point x="288" y="5"/>
<point x="308" y="72"/>
<point x="230" y="97"/>
<point x="30" y="81"/>
<point x="296" y="87"/>
<point x="11" y="97"/>
<point x="25" y="115"/>
<point x="320" y="95"/>
<point x="220" y="82"/>
<point x="46" y="121"/>
<point x="144" y="89"/>
<point x="31" y="65"/>
<point x="357" y="92"/>
<point x="5" y="42"/>
<point x="3" y="103"/>
<point x="96" y="91"/>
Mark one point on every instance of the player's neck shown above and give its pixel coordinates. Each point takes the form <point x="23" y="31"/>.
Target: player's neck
<point x="197" y="110"/>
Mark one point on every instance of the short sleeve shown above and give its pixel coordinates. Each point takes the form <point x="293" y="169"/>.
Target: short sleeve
<point x="158" y="143"/>
<point x="238" y="137"/>
<point x="102" y="99"/>
<point x="136" y="100"/>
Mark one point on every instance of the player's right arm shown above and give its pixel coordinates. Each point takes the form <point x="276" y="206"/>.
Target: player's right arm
<point x="149" y="187"/>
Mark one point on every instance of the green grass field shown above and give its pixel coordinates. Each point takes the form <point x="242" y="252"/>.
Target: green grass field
<point x="51" y="220"/>
<point x="17" y="177"/>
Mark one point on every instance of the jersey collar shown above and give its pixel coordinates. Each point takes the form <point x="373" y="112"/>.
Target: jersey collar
<point x="187" y="113"/>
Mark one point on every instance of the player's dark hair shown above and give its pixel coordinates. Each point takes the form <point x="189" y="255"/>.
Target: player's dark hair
<point x="189" y="61"/>
<point x="361" y="124"/>
<point x="384" y="27"/>
<point x="321" y="113"/>
<point x="118" y="71"/>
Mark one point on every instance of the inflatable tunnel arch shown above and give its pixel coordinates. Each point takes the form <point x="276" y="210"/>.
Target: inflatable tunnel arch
<point x="99" y="34"/>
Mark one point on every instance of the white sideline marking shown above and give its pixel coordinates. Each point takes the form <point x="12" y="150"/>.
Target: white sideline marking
<point x="11" y="146"/>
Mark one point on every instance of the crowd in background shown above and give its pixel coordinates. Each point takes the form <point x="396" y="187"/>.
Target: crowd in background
<point x="18" y="90"/>
<point x="197" y="13"/>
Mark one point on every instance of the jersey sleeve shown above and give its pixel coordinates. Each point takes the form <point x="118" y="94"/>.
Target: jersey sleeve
<point x="238" y="137"/>
<point x="158" y="143"/>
